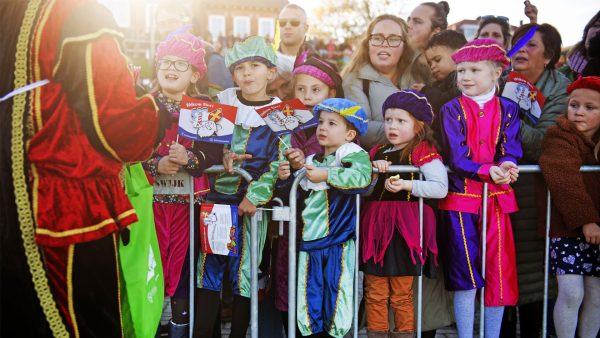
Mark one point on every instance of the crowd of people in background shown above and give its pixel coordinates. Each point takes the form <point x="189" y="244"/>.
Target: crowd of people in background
<point x="83" y="166"/>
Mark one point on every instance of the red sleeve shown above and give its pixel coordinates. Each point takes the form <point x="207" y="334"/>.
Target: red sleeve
<point x="424" y="153"/>
<point x="126" y="126"/>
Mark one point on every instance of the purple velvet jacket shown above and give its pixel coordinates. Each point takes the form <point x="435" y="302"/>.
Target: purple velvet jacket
<point x="463" y="153"/>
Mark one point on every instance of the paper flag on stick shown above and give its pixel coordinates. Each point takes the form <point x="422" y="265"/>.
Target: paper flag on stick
<point x="219" y="230"/>
<point x="529" y="98"/>
<point x="206" y="121"/>
<point x="287" y="117"/>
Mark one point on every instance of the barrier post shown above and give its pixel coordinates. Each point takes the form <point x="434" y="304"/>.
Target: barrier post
<point x="192" y="274"/>
<point x="420" y="277"/>
<point x="217" y="169"/>
<point x="356" y="259"/>
<point x="292" y="256"/>
<point x="546" y="265"/>
<point x="483" y="258"/>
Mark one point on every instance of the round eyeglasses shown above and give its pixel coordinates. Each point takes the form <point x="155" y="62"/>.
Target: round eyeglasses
<point x="392" y="40"/>
<point x="179" y="65"/>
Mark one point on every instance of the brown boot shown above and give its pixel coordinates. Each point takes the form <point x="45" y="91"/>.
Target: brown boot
<point x="377" y="334"/>
<point x="402" y="334"/>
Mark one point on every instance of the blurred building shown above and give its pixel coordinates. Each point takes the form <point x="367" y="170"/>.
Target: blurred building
<point x="469" y="27"/>
<point x="236" y="18"/>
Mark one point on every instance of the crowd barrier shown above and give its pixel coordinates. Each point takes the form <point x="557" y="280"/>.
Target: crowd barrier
<point x="282" y="213"/>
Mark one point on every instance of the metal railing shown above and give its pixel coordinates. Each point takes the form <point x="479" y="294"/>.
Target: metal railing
<point x="254" y="254"/>
<point x="282" y="213"/>
<point x="524" y="169"/>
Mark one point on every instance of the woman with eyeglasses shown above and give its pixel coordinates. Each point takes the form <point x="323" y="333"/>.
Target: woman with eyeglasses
<point x="382" y="64"/>
<point x="535" y="61"/>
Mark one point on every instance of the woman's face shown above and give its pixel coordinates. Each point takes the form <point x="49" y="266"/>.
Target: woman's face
<point x="530" y="59"/>
<point x="592" y="31"/>
<point x="385" y="58"/>
<point x="493" y="31"/>
<point x="419" y="26"/>
<point x="584" y="111"/>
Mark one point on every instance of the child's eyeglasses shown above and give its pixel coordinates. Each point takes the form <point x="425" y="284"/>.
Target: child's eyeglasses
<point x="392" y="40"/>
<point x="179" y="65"/>
<point x="293" y="22"/>
<point x="499" y="17"/>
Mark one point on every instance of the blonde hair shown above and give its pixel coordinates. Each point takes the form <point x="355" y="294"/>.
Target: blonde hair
<point x="361" y="57"/>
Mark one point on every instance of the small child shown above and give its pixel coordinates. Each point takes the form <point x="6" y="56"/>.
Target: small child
<point x="314" y="81"/>
<point x="252" y="64"/>
<point x="575" y="232"/>
<point x="390" y="244"/>
<point x="443" y="69"/>
<point x="480" y="133"/>
<point x="326" y="261"/>
<point x="179" y="64"/>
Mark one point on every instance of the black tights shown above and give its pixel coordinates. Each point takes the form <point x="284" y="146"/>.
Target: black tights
<point x="180" y="310"/>
<point x="208" y="309"/>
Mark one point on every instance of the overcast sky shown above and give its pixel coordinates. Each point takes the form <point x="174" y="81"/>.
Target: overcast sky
<point x="568" y="16"/>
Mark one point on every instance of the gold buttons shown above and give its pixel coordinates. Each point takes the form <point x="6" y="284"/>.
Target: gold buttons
<point x="481" y="142"/>
<point x="481" y="114"/>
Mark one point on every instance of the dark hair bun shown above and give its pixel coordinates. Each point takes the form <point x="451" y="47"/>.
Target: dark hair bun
<point x="444" y="7"/>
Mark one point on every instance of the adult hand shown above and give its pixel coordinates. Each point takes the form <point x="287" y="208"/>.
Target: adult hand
<point x="531" y="11"/>
<point x="499" y="176"/>
<point x="314" y="174"/>
<point x="178" y="154"/>
<point x="230" y="157"/>
<point x="512" y="169"/>
<point x="295" y="156"/>
<point x="284" y="172"/>
<point x="246" y="208"/>
<point x="591" y="231"/>
<point x="167" y="167"/>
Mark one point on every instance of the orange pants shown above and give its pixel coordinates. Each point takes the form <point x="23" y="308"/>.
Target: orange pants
<point x="397" y="292"/>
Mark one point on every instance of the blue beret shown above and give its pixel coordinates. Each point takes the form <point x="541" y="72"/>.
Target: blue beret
<point x="350" y="110"/>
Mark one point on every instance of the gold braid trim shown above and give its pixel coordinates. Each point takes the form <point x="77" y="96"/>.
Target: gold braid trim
<point x="36" y="268"/>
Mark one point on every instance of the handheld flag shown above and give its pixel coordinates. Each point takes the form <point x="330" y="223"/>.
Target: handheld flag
<point x="287" y="117"/>
<point x="206" y="121"/>
<point x="529" y="98"/>
<point x="219" y="230"/>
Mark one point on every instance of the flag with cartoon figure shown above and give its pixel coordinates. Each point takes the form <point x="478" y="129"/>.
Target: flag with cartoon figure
<point x="206" y="121"/>
<point x="287" y="117"/>
<point x="219" y="231"/>
<point x="529" y="98"/>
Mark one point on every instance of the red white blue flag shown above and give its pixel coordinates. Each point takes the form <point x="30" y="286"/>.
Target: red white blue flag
<point x="287" y="117"/>
<point x="219" y="230"/>
<point x="206" y="121"/>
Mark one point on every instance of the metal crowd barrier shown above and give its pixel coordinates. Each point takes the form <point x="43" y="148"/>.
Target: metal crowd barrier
<point x="217" y="169"/>
<point x="523" y="169"/>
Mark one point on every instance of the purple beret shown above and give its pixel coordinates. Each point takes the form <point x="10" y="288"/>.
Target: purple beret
<point x="413" y="102"/>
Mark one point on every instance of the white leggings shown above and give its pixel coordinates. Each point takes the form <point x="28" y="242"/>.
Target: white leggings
<point x="577" y="293"/>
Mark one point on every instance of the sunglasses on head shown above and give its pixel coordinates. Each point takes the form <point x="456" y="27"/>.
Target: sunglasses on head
<point x="293" y="22"/>
<point x="499" y="17"/>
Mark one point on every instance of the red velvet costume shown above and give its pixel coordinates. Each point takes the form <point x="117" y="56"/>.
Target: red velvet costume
<point x="81" y="129"/>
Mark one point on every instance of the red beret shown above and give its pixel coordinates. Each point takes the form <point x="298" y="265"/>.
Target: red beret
<point x="589" y="82"/>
